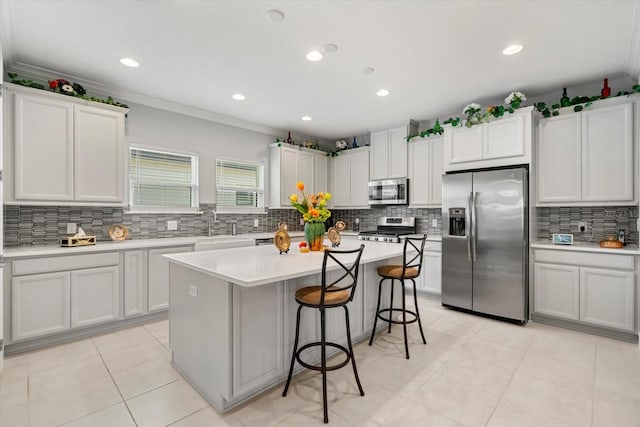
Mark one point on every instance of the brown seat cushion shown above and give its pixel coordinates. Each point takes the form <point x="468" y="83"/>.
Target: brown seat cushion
<point x="311" y="295"/>
<point x="395" y="272"/>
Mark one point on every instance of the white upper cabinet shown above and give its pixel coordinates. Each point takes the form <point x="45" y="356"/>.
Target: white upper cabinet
<point x="389" y="153"/>
<point x="587" y="157"/>
<point x="43" y="148"/>
<point x="98" y="155"/>
<point x="502" y="142"/>
<point x="425" y="172"/>
<point x="62" y="149"/>
<point x="559" y="159"/>
<point x="290" y="164"/>
<point x="350" y="179"/>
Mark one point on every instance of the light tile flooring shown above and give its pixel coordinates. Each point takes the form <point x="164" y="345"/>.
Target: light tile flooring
<point x="473" y="372"/>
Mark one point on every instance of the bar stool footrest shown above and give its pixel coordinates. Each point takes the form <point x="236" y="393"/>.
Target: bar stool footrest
<point x="327" y="368"/>
<point x="399" y="310"/>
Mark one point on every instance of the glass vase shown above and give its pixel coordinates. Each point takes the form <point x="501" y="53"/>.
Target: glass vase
<point x="314" y="235"/>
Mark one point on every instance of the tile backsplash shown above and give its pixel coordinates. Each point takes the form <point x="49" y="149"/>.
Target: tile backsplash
<point x="601" y="222"/>
<point x="41" y="225"/>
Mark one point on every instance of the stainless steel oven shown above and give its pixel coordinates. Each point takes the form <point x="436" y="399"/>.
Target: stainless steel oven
<point x="389" y="191"/>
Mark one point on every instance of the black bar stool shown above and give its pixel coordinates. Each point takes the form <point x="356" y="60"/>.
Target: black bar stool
<point x="324" y="296"/>
<point x="410" y="269"/>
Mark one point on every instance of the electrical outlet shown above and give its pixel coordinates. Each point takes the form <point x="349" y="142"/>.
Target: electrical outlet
<point x="256" y="223"/>
<point x="72" y="228"/>
<point x="193" y="290"/>
<point x="172" y="225"/>
<point x="582" y="226"/>
<point x="434" y="223"/>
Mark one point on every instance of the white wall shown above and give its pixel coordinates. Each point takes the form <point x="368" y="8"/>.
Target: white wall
<point x="209" y="140"/>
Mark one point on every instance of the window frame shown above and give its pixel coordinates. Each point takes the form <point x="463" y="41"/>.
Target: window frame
<point x="238" y="209"/>
<point x="195" y="182"/>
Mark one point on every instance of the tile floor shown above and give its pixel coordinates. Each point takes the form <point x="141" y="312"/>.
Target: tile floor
<point x="474" y="372"/>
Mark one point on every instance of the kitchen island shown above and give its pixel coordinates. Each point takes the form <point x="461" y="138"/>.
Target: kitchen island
<point x="232" y="314"/>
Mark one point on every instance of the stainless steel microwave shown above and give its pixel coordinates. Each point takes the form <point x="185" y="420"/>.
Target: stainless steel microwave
<point x="389" y="191"/>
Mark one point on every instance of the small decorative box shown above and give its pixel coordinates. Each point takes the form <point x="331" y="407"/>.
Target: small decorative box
<point x="71" y="241"/>
<point x="563" y="239"/>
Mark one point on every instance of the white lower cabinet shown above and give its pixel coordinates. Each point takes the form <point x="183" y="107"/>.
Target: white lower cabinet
<point x="590" y="288"/>
<point x="432" y="272"/>
<point x="40" y="305"/>
<point x="607" y="298"/>
<point x="135" y="288"/>
<point x="557" y="290"/>
<point x="95" y="296"/>
<point x="159" y="276"/>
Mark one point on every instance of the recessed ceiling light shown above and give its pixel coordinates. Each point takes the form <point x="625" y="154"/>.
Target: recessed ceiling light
<point x="306" y="118"/>
<point x="513" y="49"/>
<point x="314" y="55"/>
<point x="367" y="70"/>
<point x="129" y="62"/>
<point x="330" y="48"/>
<point x="275" y="15"/>
<point x="382" y="92"/>
<point x="239" y="97"/>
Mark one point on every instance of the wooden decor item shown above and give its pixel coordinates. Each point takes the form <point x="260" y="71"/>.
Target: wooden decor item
<point x="72" y="241"/>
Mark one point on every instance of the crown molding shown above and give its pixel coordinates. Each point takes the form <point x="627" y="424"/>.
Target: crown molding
<point x="633" y="56"/>
<point x="98" y="88"/>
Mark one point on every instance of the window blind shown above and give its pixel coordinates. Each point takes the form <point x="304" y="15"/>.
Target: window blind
<point x="239" y="185"/>
<point x="162" y="179"/>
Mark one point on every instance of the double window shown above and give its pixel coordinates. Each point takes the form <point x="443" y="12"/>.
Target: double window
<point x="161" y="180"/>
<point x="239" y="186"/>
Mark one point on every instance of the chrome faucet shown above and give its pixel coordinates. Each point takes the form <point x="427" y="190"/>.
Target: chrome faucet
<point x="215" y="219"/>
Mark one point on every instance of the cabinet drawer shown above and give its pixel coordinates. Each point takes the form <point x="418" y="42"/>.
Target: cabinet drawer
<point x="63" y="263"/>
<point x="625" y="262"/>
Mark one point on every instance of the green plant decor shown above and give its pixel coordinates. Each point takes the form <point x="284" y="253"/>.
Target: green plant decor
<point x="64" y="87"/>
<point x="579" y="103"/>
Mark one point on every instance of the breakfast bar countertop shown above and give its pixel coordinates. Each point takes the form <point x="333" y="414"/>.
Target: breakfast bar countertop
<point x="259" y="265"/>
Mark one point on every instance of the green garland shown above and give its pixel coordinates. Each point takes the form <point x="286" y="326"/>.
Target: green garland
<point x="30" y="83"/>
<point x="579" y="103"/>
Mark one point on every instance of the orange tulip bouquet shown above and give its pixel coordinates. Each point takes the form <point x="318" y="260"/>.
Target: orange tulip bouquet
<point x="314" y="213"/>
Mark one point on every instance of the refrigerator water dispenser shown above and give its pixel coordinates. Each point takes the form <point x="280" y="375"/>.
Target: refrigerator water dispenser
<point x="457" y="224"/>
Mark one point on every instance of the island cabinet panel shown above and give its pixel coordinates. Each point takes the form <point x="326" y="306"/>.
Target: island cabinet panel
<point x="258" y="336"/>
<point x="200" y="332"/>
<point x="309" y="320"/>
<point x="40" y="305"/>
<point x="336" y="326"/>
<point x="159" y="276"/>
<point x="95" y="296"/>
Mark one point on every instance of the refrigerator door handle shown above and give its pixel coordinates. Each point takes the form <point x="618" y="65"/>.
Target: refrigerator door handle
<point x="474" y="225"/>
<point x="467" y="220"/>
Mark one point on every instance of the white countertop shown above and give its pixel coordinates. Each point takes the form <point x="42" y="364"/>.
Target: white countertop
<point x="586" y="247"/>
<point x="108" y="246"/>
<point x="28" y="251"/>
<point x="259" y="265"/>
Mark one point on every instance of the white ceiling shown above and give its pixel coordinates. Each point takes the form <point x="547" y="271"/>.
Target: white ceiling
<point x="434" y="56"/>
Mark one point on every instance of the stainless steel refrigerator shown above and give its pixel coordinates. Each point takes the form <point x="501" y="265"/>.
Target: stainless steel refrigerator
<point x="485" y="242"/>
